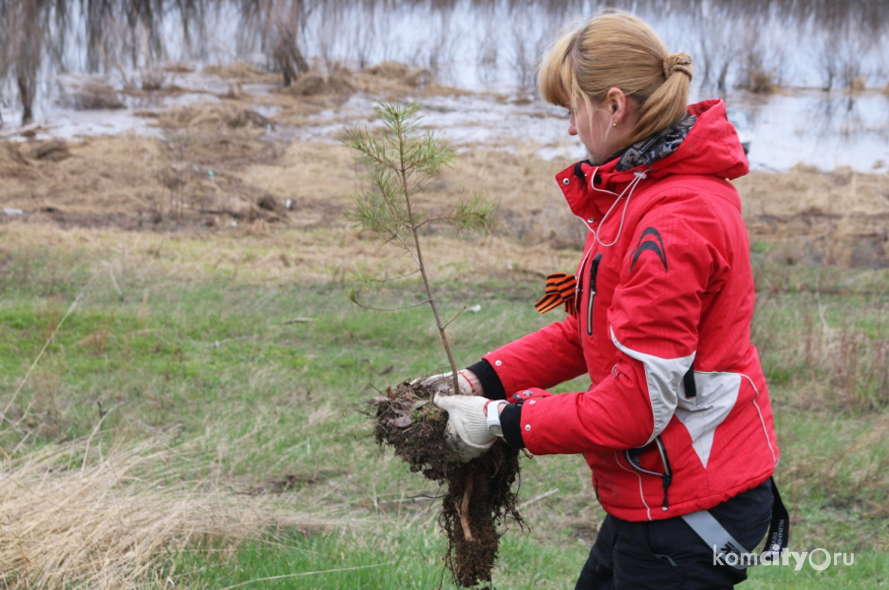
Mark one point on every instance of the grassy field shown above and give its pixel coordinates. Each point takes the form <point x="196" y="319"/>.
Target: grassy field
<point x="176" y="418"/>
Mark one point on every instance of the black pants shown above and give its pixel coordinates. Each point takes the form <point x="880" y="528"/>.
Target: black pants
<point x="668" y="554"/>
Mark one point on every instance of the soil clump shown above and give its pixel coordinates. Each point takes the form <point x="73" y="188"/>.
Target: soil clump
<point x="478" y="495"/>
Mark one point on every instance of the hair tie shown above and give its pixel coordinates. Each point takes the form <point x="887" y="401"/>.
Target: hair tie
<point x="677" y="62"/>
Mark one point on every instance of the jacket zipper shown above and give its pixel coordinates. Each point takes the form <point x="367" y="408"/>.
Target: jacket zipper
<point x="594" y="270"/>
<point x="578" y="291"/>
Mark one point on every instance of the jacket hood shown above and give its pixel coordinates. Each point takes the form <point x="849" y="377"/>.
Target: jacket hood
<point x="704" y="143"/>
<point x="711" y="147"/>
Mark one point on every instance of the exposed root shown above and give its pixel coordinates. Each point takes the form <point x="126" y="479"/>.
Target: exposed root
<point x="464" y="512"/>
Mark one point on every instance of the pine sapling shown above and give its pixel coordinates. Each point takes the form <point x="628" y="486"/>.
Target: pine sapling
<point x="401" y="161"/>
<point x="401" y="164"/>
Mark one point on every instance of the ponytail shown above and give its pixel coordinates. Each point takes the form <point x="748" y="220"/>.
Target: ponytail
<point x="666" y="106"/>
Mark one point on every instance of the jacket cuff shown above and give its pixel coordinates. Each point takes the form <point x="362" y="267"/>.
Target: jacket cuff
<point x="489" y="380"/>
<point x="511" y="423"/>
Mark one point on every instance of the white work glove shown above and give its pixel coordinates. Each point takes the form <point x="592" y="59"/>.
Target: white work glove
<point x="444" y="383"/>
<point x="466" y="432"/>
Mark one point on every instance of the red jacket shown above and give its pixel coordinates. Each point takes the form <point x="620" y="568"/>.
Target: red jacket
<point x="665" y="292"/>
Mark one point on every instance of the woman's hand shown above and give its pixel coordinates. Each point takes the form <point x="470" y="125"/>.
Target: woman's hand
<point x="467" y="431"/>
<point x="444" y="383"/>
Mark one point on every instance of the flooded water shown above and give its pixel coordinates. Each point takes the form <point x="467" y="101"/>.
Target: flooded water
<point x="786" y="130"/>
<point x="812" y="52"/>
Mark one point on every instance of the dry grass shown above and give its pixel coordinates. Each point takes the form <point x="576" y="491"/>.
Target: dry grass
<point x="223" y="162"/>
<point x="250" y="254"/>
<point x="804" y="191"/>
<point x="74" y="516"/>
<point x="218" y="165"/>
<point x="95" y="190"/>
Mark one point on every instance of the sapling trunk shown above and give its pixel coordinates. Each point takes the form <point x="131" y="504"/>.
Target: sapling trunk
<point x="405" y="189"/>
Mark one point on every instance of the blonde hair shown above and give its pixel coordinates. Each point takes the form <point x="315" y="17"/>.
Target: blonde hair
<point x="618" y="50"/>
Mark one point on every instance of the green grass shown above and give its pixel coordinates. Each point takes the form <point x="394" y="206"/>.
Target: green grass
<point x="268" y="383"/>
<point x="402" y="557"/>
<point x="390" y="557"/>
<point x="867" y="569"/>
<point x="408" y="558"/>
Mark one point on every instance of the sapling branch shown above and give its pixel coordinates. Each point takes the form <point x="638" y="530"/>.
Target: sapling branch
<point x="355" y="297"/>
<point x="456" y="315"/>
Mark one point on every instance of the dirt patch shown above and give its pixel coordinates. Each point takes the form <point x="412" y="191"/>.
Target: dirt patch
<point x="412" y="78"/>
<point x="54" y="150"/>
<point x="15" y="166"/>
<point x="808" y="216"/>
<point x="291" y="482"/>
<point x="388" y="80"/>
<point x="93" y="95"/>
<point x="242" y="72"/>
<point x="313" y="83"/>
<point x="478" y="494"/>
<point x="187" y="179"/>
<point x="214" y="117"/>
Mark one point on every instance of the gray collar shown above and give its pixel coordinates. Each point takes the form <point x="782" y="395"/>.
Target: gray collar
<point x="655" y="147"/>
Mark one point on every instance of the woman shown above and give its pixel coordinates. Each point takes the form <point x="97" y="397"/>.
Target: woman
<point x="676" y="424"/>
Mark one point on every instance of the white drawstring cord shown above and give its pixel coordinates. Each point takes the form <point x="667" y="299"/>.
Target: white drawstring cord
<point x="639" y="177"/>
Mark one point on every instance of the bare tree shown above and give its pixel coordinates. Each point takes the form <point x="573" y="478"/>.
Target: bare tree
<point x="286" y="54"/>
<point x="279" y="25"/>
<point x="23" y="38"/>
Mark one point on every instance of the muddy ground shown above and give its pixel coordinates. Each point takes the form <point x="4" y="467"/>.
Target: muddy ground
<point x="220" y="166"/>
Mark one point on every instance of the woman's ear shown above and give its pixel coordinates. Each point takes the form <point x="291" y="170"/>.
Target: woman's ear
<point x="616" y="102"/>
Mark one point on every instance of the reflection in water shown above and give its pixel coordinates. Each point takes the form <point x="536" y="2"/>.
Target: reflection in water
<point x="494" y="39"/>
<point x="848" y="117"/>
<point x="476" y="44"/>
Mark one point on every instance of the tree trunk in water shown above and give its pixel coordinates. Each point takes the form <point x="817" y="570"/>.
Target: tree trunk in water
<point x="288" y="57"/>
<point x="26" y="94"/>
<point x="287" y="54"/>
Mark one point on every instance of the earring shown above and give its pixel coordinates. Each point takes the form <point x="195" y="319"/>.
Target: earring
<point x="614" y="124"/>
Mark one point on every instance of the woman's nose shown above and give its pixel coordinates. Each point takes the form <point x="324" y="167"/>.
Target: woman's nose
<point x="572" y="127"/>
